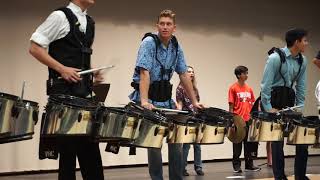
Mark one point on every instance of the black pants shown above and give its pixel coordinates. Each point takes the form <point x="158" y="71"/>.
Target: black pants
<point x="237" y="148"/>
<point x="89" y="158"/>
<point x="278" y="163"/>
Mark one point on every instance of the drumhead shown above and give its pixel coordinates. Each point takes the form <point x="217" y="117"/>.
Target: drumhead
<point x="308" y="121"/>
<point x="265" y="116"/>
<point x="291" y="115"/>
<point x="214" y="116"/>
<point x="8" y="96"/>
<point x="182" y="119"/>
<point x="145" y="113"/>
<point x="122" y="110"/>
<point x="73" y="101"/>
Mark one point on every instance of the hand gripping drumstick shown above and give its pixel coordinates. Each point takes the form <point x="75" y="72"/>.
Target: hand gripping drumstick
<point x="93" y="70"/>
<point x="288" y="109"/>
<point x="96" y="69"/>
<point x="171" y="110"/>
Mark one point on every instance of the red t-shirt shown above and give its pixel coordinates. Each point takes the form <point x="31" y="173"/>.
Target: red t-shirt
<point x="242" y="98"/>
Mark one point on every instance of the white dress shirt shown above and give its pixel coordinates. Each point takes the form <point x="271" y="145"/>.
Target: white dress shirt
<point x="56" y="26"/>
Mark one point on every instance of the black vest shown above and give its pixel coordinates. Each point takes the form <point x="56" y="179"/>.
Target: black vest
<point x="74" y="50"/>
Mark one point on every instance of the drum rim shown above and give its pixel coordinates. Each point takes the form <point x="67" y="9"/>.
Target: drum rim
<point x="32" y="103"/>
<point x="264" y="117"/>
<point x="122" y="110"/>
<point x="52" y="98"/>
<point x="8" y="96"/>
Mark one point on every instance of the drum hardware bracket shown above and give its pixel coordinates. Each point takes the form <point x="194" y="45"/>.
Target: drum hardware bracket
<point x="79" y="117"/>
<point x="35" y="116"/>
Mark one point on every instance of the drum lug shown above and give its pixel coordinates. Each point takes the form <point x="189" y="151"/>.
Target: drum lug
<point x="186" y="131"/>
<point x="156" y="131"/>
<point x="15" y="112"/>
<point x="166" y="132"/>
<point x="258" y="124"/>
<point x="271" y="127"/>
<point x="104" y="118"/>
<point x="0" y="105"/>
<point x="35" y="116"/>
<point x="171" y="127"/>
<point x="61" y="112"/>
<point x="79" y="116"/>
<point x="290" y="129"/>
<point x="203" y="128"/>
<point x="225" y="131"/>
<point x="135" y="124"/>
<point x="215" y="131"/>
<point x="305" y="132"/>
<point x="140" y="127"/>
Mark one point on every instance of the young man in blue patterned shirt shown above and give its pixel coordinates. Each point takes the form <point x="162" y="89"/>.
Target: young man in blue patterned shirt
<point x="155" y="64"/>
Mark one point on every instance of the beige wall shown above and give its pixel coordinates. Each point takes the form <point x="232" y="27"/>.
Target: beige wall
<point x="216" y="36"/>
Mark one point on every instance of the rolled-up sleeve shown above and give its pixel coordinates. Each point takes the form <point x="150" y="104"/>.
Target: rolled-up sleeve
<point x="271" y="67"/>
<point x="181" y="66"/>
<point x="53" y="28"/>
<point x="146" y="54"/>
<point x="301" y="85"/>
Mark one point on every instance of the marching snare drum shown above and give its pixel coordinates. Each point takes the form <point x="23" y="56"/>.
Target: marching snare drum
<point x="69" y="116"/>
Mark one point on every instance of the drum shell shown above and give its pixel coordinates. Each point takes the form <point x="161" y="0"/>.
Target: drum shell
<point x="317" y="142"/>
<point x="149" y="133"/>
<point x="301" y="135"/>
<point x="209" y="134"/>
<point x="66" y="120"/>
<point x="6" y="104"/>
<point x="182" y="133"/>
<point x="117" y="125"/>
<point x="262" y="131"/>
<point x="23" y="123"/>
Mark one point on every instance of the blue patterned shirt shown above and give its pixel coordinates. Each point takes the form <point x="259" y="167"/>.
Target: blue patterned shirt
<point x="147" y="60"/>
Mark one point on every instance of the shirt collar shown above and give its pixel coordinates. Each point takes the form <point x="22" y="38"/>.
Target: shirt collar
<point x="76" y="9"/>
<point x="287" y="52"/>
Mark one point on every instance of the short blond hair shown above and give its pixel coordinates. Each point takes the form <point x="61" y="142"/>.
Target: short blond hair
<point x="167" y="13"/>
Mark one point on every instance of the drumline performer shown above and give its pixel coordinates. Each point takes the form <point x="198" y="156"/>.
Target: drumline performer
<point x="158" y="57"/>
<point x="63" y="43"/>
<point x="285" y="67"/>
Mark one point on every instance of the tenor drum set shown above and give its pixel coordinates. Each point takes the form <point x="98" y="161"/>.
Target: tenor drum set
<point x="133" y="125"/>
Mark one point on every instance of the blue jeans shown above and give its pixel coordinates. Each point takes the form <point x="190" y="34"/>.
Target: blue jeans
<point x="175" y="162"/>
<point x="197" y="156"/>
<point x="278" y="163"/>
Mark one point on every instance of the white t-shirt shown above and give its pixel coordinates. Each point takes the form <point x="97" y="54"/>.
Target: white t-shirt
<point x="56" y="26"/>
